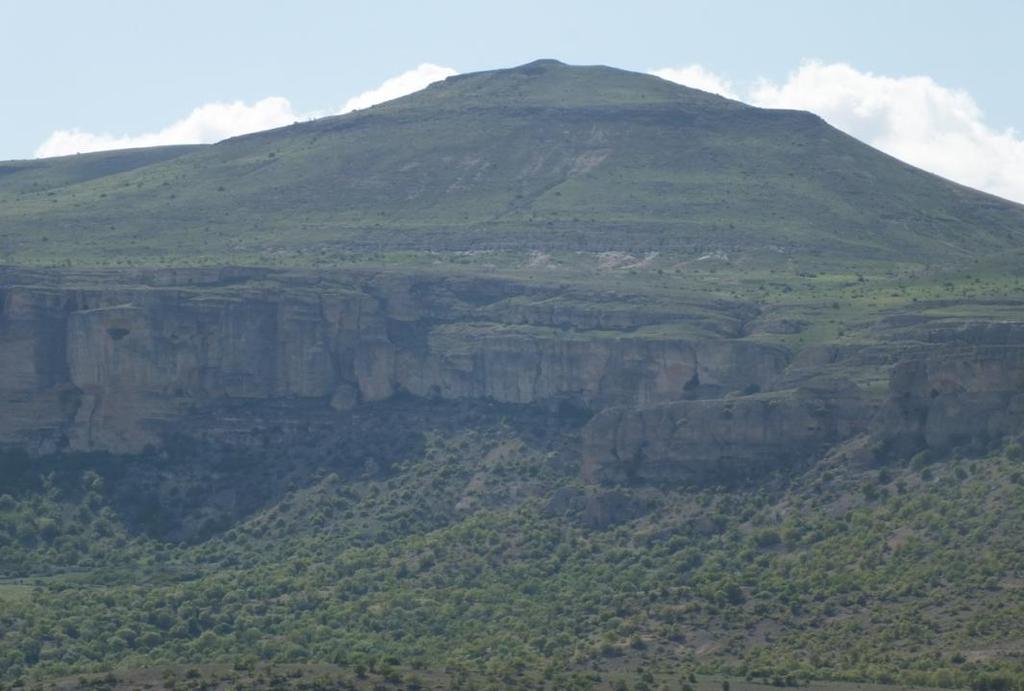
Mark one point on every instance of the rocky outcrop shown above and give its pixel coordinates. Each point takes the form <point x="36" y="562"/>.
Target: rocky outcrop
<point x="720" y="440"/>
<point x="677" y="393"/>
<point x="37" y="397"/>
<point x="955" y="397"/>
<point x="950" y="384"/>
<point x="102" y="365"/>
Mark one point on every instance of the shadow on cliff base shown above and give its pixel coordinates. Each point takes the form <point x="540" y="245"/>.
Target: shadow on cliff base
<point x="195" y="488"/>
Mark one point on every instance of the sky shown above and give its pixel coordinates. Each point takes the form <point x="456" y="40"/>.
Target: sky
<point x="933" y="83"/>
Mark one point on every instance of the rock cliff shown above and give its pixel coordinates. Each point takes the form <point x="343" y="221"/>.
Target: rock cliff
<point x="720" y="440"/>
<point x="90" y="363"/>
<point x="958" y="396"/>
<point x="122" y="361"/>
<point x="951" y="383"/>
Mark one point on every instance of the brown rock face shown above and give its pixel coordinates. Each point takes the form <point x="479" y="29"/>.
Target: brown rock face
<point x="37" y="397"/>
<point x="724" y="440"/>
<point x="950" y="384"/>
<point x="956" y="396"/>
<point x="113" y="368"/>
<point x="120" y="361"/>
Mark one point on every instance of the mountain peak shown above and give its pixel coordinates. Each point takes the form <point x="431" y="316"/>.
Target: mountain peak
<point x="540" y="65"/>
<point x="545" y="156"/>
<point x="551" y="83"/>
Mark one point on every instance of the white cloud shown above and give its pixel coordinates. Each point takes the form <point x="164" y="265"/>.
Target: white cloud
<point x="216" y="121"/>
<point x="933" y="127"/>
<point x="209" y="123"/>
<point x="697" y="77"/>
<point x="912" y="118"/>
<point x="396" y="87"/>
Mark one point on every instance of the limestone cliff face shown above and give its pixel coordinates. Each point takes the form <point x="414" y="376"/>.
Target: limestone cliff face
<point x="37" y="397"/>
<point x="120" y="361"/>
<point x="949" y="384"/>
<point x="707" y="440"/>
<point x="113" y="367"/>
<point x="956" y="396"/>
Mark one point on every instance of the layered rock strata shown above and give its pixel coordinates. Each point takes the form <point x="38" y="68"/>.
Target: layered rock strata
<point x="121" y="361"/>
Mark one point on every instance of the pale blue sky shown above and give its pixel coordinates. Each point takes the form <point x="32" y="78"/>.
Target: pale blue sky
<point x="128" y="67"/>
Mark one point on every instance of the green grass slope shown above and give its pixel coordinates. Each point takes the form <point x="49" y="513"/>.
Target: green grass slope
<point x="467" y="562"/>
<point x="45" y="174"/>
<point x="540" y="157"/>
<point x="452" y="545"/>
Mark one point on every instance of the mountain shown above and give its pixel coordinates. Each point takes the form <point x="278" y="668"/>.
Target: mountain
<point x="544" y="156"/>
<point x="546" y="377"/>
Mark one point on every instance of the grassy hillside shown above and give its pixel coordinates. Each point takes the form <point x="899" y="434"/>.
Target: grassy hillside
<point x="44" y="175"/>
<point x="479" y="558"/>
<point x="542" y="157"/>
<point x="452" y="544"/>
